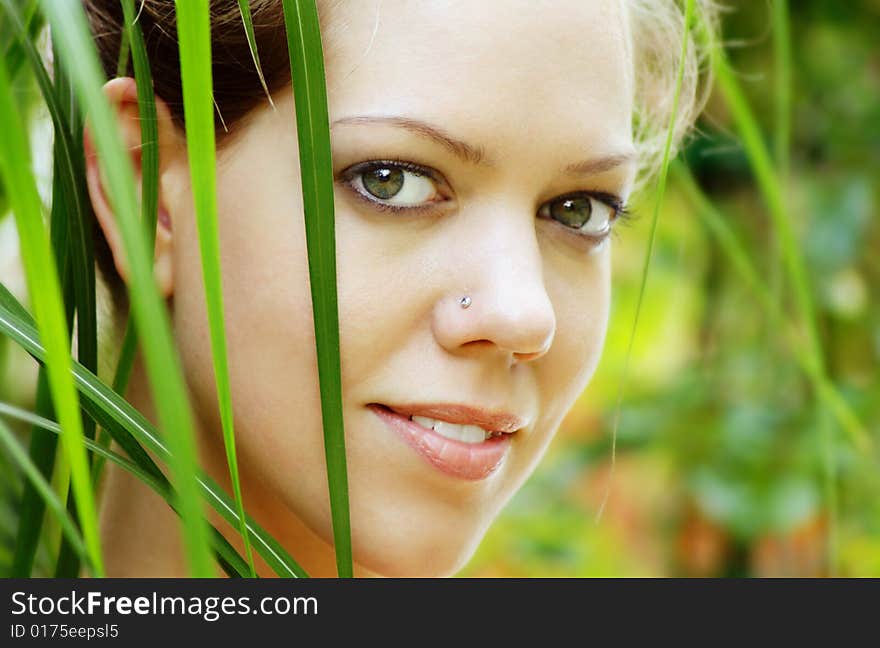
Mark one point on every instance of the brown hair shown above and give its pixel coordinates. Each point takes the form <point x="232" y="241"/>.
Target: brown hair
<point x="237" y="87"/>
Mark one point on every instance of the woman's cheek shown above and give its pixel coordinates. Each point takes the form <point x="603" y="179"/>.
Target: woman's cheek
<point x="581" y="293"/>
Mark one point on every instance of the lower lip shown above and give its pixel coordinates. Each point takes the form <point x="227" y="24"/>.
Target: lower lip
<point x="469" y="461"/>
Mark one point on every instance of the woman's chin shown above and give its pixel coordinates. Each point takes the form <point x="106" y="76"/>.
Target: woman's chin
<point x="425" y="546"/>
<point x="419" y="559"/>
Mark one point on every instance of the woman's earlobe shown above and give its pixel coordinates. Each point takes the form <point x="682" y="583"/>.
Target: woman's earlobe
<point x="163" y="263"/>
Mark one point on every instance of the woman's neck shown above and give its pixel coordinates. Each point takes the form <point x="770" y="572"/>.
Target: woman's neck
<point x="141" y="534"/>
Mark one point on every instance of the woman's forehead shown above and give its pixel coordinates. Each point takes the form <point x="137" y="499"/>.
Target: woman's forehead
<point x="514" y="38"/>
<point x="506" y="70"/>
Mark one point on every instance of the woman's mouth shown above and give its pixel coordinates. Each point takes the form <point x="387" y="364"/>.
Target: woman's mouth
<point x="462" y="450"/>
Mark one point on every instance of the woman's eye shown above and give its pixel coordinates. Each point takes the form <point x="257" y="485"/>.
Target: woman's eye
<point x="588" y="214"/>
<point x="394" y="185"/>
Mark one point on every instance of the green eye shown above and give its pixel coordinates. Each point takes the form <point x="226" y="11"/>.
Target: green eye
<point x="587" y="214"/>
<point x="383" y="182"/>
<point x="574" y="212"/>
<point x="393" y="184"/>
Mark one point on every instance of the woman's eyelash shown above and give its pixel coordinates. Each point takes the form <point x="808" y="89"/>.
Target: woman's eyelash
<point x="621" y="211"/>
<point x="348" y="175"/>
<point x="361" y="167"/>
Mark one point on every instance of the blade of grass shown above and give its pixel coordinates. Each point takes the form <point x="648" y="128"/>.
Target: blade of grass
<point x="768" y="182"/>
<point x="82" y="271"/>
<point x="45" y="290"/>
<point x="782" y="131"/>
<point x="114" y="413"/>
<point x="20" y="457"/>
<point x="70" y="194"/>
<point x="194" y="37"/>
<point x="158" y="483"/>
<point x="244" y="9"/>
<point x="32" y="507"/>
<point x="43" y="446"/>
<point x="124" y="46"/>
<point x="782" y="147"/>
<point x="783" y="86"/>
<point x="71" y="32"/>
<point x="149" y="124"/>
<point x="649" y="251"/>
<point x="313" y="132"/>
<point x="149" y="189"/>
<point x="14" y="53"/>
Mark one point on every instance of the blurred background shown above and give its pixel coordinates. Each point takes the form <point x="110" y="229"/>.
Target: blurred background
<point x="726" y="462"/>
<point x="722" y="461"/>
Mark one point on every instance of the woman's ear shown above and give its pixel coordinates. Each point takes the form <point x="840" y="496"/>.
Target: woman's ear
<point x="122" y="93"/>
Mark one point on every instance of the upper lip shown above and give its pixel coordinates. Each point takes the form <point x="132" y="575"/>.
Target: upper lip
<point x="492" y="420"/>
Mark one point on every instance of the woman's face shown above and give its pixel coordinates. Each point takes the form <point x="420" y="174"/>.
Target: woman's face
<point x="500" y="132"/>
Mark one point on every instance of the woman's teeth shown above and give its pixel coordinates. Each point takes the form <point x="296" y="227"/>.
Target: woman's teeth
<point x="454" y="431"/>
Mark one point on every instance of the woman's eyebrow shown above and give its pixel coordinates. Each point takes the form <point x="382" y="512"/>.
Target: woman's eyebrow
<point x="601" y="164"/>
<point x="476" y="154"/>
<point x="463" y="150"/>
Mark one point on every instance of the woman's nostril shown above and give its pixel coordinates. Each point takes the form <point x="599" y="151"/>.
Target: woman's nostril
<point x="533" y="355"/>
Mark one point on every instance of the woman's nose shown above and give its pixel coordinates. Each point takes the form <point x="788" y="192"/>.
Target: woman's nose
<point x="509" y="310"/>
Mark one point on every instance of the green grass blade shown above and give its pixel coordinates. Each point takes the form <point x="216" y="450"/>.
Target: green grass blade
<point x="782" y="151"/>
<point x="149" y="186"/>
<point x="124" y="365"/>
<point x="127" y="353"/>
<point x="32" y="506"/>
<point x="43" y="446"/>
<point x="244" y="9"/>
<point x="649" y="251"/>
<point x="782" y="100"/>
<point x="149" y="125"/>
<point x="71" y="193"/>
<point x="783" y="85"/>
<point x="82" y="273"/>
<point x="71" y="32"/>
<point x="20" y="457"/>
<point x="194" y="36"/>
<point x="313" y="131"/>
<point x="771" y="189"/>
<point x="124" y="46"/>
<point x="114" y="413"/>
<point x="45" y="290"/>
<point x="14" y="53"/>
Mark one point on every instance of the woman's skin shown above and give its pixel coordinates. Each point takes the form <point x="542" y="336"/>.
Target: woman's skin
<point x="541" y="92"/>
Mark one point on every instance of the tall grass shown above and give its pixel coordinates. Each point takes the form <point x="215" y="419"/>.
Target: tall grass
<point x="71" y="33"/>
<point x="135" y="434"/>
<point x="45" y="290"/>
<point x="124" y="425"/>
<point x="133" y="43"/>
<point x="313" y="131"/>
<point x="194" y="32"/>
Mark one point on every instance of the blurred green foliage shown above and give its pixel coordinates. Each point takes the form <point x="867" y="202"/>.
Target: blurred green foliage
<point x="720" y="452"/>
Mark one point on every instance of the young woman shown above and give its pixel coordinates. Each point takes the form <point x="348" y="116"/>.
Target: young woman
<point x="483" y="153"/>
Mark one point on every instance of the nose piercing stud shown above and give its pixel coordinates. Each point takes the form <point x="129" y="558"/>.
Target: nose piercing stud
<point x="465" y="301"/>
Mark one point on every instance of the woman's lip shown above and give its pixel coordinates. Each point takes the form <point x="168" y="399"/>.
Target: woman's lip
<point x="492" y="420"/>
<point x="469" y="461"/>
